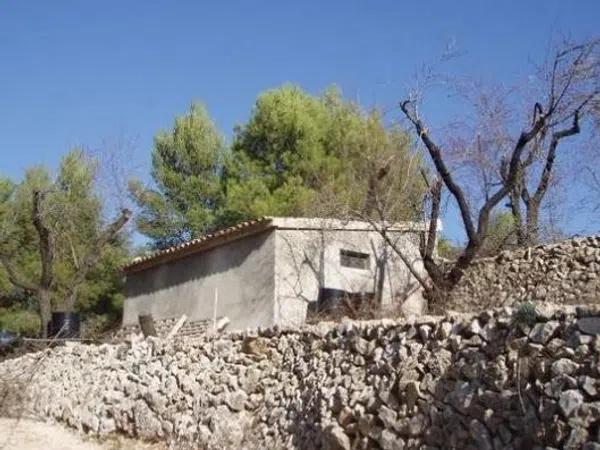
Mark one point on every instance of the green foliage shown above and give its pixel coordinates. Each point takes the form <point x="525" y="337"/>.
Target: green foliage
<point x="186" y="169"/>
<point x="525" y="315"/>
<point x="446" y="249"/>
<point x="280" y="156"/>
<point x="72" y="210"/>
<point x="297" y="155"/>
<point x="302" y="155"/>
<point x="20" y="321"/>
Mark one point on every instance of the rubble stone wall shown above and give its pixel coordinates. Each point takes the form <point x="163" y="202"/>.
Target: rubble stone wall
<point x="189" y="329"/>
<point x="502" y="379"/>
<point x="567" y="272"/>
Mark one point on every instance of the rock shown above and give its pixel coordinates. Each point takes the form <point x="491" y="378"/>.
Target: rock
<point x="107" y="426"/>
<point x="570" y="401"/>
<point x="387" y="416"/>
<point x="334" y="438"/>
<point x="228" y="425"/>
<point x="251" y="379"/>
<point x="345" y="416"/>
<point x="444" y="330"/>
<point x="367" y="424"/>
<point x="576" y="439"/>
<point x="425" y="332"/>
<point x="543" y="332"/>
<point x="455" y="341"/>
<point x="564" y="366"/>
<point x="544" y="310"/>
<point x="148" y="426"/>
<point x="474" y="327"/>
<point x="589" y="325"/>
<point x="417" y="425"/>
<point x="588" y="385"/>
<point x="236" y="400"/>
<point x="591" y="446"/>
<point x="362" y="346"/>
<point x="480" y="435"/>
<point x="257" y="346"/>
<point x="387" y="396"/>
<point x="411" y="392"/>
<point x="390" y="441"/>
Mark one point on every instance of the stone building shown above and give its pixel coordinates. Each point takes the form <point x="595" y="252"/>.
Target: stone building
<point x="268" y="271"/>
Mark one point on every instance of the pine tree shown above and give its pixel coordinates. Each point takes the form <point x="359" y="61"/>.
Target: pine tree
<point x="186" y="170"/>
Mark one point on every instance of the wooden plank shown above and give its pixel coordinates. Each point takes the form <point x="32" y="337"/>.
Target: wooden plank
<point x="177" y="327"/>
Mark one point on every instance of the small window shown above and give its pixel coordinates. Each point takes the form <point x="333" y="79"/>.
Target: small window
<point x="356" y="260"/>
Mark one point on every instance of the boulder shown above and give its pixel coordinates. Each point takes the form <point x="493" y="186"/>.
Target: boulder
<point x="589" y="325"/>
<point x="334" y="438"/>
<point x="543" y="332"/>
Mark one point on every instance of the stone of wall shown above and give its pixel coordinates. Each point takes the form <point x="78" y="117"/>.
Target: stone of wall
<point x="190" y="328"/>
<point x="567" y="273"/>
<point x="502" y="379"/>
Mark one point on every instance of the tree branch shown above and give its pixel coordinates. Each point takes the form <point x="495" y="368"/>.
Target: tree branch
<point x="512" y="173"/>
<point x="374" y="178"/>
<point x="442" y="169"/>
<point x="92" y="258"/>
<point x="16" y="279"/>
<point x="547" y="171"/>
<point x="436" y="202"/>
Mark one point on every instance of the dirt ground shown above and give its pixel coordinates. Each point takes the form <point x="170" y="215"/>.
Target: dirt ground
<point x="27" y="434"/>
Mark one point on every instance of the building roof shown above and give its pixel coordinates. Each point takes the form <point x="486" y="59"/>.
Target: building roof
<point x="255" y="226"/>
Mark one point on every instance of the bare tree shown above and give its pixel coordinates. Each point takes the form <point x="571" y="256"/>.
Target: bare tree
<point x="564" y="90"/>
<point x="571" y="88"/>
<point x="117" y="164"/>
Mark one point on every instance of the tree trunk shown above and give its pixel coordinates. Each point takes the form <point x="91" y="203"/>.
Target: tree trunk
<point x="533" y="218"/>
<point x="44" y="297"/>
<point x="380" y="277"/>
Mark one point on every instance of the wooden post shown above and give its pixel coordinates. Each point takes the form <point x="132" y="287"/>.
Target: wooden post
<point x="215" y="308"/>
<point x="147" y="325"/>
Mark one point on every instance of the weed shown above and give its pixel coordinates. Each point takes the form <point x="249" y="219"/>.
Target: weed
<point x="525" y="314"/>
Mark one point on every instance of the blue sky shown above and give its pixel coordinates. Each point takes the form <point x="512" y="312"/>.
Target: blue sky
<point x="82" y="72"/>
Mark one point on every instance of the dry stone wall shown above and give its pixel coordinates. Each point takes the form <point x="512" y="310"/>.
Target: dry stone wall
<point x="189" y="329"/>
<point x="567" y="273"/>
<point x="502" y="379"/>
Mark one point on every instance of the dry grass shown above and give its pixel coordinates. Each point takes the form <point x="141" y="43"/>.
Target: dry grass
<point x="355" y="308"/>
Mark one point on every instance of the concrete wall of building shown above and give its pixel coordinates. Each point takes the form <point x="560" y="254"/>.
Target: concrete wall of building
<point x="242" y="270"/>
<point x="307" y="260"/>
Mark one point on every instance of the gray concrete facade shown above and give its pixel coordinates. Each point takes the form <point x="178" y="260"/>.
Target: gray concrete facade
<point x="269" y="273"/>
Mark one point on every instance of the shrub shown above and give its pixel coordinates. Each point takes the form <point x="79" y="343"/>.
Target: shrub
<point x="525" y="314"/>
<point x="20" y="321"/>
